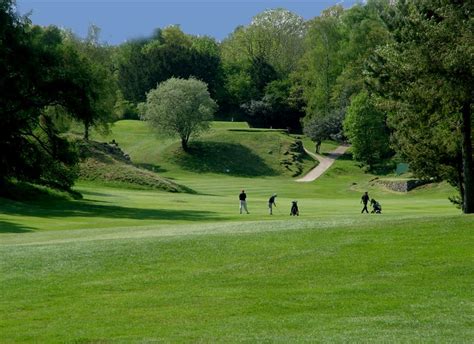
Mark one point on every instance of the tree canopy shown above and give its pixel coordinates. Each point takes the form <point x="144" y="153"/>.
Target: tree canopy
<point x="143" y="63"/>
<point x="180" y="107"/>
<point x="259" y="57"/>
<point x="424" y="79"/>
<point x="367" y="131"/>
<point x="40" y="71"/>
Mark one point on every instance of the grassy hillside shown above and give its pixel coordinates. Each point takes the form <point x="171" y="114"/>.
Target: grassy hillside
<point x="107" y="164"/>
<point x="229" y="148"/>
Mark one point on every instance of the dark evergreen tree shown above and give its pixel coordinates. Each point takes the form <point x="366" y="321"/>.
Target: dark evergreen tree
<point x="425" y="80"/>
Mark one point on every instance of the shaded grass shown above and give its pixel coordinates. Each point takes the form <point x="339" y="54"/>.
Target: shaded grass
<point x="58" y="210"/>
<point x="221" y="157"/>
<point x="10" y="227"/>
<point x="15" y="190"/>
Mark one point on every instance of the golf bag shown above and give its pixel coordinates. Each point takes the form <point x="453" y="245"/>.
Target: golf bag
<point x="376" y="207"/>
<point x="294" y="209"/>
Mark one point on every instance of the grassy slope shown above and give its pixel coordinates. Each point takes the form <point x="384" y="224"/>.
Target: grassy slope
<point x="146" y="265"/>
<point x="106" y="164"/>
<point x="229" y="148"/>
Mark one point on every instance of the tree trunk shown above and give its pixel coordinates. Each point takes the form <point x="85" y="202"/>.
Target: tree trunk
<point x="86" y="131"/>
<point x="3" y="186"/>
<point x="459" y="164"/>
<point x="468" y="167"/>
<point x="184" y="144"/>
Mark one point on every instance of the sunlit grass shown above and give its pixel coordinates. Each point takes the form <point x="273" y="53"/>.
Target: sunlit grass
<point x="284" y="281"/>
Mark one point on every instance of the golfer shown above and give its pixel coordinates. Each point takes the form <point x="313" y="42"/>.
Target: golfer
<point x="271" y="203"/>
<point x="365" y="199"/>
<point x="243" y="201"/>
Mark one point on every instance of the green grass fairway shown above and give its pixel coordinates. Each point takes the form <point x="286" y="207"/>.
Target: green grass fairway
<point x="407" y="280"/>
<point x="144" y="266"/>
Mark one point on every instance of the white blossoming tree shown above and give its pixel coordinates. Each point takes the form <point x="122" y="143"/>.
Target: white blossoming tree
<point x="180" y="107"/>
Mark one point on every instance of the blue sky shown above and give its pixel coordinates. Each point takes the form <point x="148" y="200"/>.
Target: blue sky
<point x="124" y="19"/>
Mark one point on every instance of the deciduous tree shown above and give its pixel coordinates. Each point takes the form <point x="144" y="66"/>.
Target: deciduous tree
<point x="256" y="55"/>
<point x="31" y="79"/>
<point x="180" y="107"/>
<point x="40" y="74"/>
<point x="366" y="129"/>
<point x="141" y="64"/>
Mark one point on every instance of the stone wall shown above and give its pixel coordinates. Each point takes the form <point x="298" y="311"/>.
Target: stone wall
<point x="401" y="185"/>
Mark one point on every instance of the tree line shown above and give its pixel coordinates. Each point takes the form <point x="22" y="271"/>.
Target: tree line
<point x="392" y="77"/>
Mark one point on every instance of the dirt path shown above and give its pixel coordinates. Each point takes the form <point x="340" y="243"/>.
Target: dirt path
<point x="324" y="163"/>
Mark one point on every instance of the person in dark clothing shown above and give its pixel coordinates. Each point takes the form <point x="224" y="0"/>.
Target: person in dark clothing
<point x="271" y="203"/>
<point x="243" y="201"/>
<point x="365" y="199"/>
<point x="318" y="146"/>
<point x="294" y="209"/>
<point x="376" y="207"/>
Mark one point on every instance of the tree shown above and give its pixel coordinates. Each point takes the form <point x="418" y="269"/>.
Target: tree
<point x="181" y="107"/>
<point x="331" y="70"/>
<point x="365" y="127"/>
<point x="363" y="30"/>
<point x="261" y="74"/>
<point x="324" y="128"/>
<point x="207" y="65"/>
<point x="91" y="68"/>
<point x="317" y="73"/>
<point x="32" y="79"/>
<point x="424" y="78"/>
<point x="275" y="36"/>
<point x="141" y="64"/>
<point x="255" y="55"/>
<point x="91" y="91"/>
<point x="238" y="85"/>
<point x="322" y="62"/>
<point x="133" y="70"/>
<point x="284" y="112"/>
<point x="43" y="80"/>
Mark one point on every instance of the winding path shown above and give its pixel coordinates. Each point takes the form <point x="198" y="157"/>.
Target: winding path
<point x="324" y="163"/>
